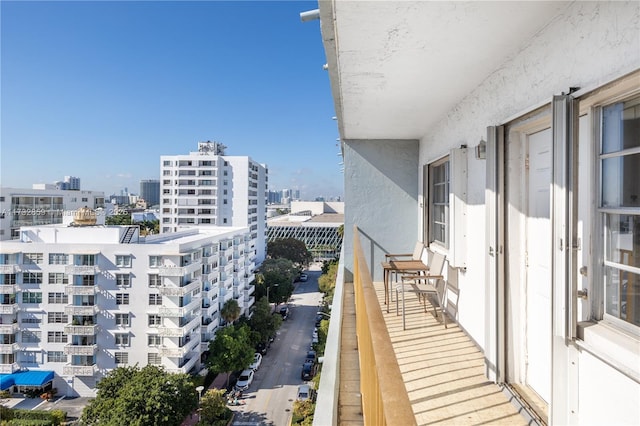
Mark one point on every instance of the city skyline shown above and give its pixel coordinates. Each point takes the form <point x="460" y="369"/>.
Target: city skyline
<point x="101" y="90"/>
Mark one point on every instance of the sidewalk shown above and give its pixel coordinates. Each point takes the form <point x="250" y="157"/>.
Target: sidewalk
<point x="220" y="382"/>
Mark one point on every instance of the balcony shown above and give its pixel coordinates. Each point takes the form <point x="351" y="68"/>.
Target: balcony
<point x="8" y="288"/>
<point x="79" y="370"/>
<point x="164" y="311"/>
<point x="179" y="352"/>
<point x="8" y="348"/>
<point x="176" y="331"/>
<point x="249" y="302"/>
<point x="186" y="367"/>
<point x="178" y="271"/>
<point x="422" y="375"/>
<point x="87" y="350"/>
<point x="248" y="291"/>
<point x="9" y="308"/>
<point x="179" y="291"/>
<point x="81" y="269"/>
<point x="80" y="290"/>
<point x="9" y="328"/>
<point x="81" y="330"/>
<point x="81" y="310"/>
<point x="9" y="269"/>
<point x="9" y="368"/>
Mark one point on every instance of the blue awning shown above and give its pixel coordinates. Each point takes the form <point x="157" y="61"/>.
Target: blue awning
<point x="25" y="378"/>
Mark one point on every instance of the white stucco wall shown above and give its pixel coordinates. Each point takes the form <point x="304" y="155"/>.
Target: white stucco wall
<point x="380" y="173"/>
<point x="591" y="44"/>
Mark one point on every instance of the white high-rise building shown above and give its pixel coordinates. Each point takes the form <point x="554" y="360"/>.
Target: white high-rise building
<point x="207" y="187"/>
<point x="41" y="205"/>
<point x="79" y="300"/>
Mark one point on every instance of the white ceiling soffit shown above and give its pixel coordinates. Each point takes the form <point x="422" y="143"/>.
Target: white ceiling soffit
<point x="398" y="66"/>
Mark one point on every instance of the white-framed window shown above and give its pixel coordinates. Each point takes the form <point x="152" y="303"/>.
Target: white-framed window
<point x="121" y="339"/>
<point x="155" y="261"/>
<point x="121" y="358"/>
<point x="58" y="278"/>
<point x="56" y="337"/>
<point x="122" y="299"/>
<point x="154" y="340"/>
<point x="31" y="297"/>
<point x="61" y="298"/>
<point x="123" y="280"/>
<point x="57" y="318"/>
<point x="32" y="278"/>
<point x="154" y="320"/>
<point x="85" y="260"/>
<point x="439" y="202"/>
<point x="154" y="280"/>
<point x="32" y="258"/>
<point x="154" y="359"/>
<point x="619" y="210"/>
<point x="58" y="258"/>
<point x="155" y="299"/>
<point x="56" y="356"/>
<point x="123" y="261"/>
<point x="122" y="320"/>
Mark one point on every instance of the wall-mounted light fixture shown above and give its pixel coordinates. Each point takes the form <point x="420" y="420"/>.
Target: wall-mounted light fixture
<point x="481" y="150"/>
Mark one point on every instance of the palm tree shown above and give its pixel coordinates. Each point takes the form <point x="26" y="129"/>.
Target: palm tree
<point x="230" y="311"/>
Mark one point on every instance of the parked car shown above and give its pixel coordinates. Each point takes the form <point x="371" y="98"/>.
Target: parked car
<point x="319" y="318"/>
<point x="311" y="356"/>
<point x="284" y="311"/>
<point x="262" y="347"/>
<point x="315" y="333"/>
<point x="244" y="380"/>
<point x="305" y="393"/>
<point x="308" y="370"/>
<point x="257" y="360"/>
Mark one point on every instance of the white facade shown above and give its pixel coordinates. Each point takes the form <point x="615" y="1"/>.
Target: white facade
<point x="82" y="300"/>
<point x="542" y="234"/>
<point x="41" y="206"/>
<point x="207" y="188"/>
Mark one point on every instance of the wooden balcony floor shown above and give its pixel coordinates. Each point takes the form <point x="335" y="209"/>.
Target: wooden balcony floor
<point x="443" y="370"/>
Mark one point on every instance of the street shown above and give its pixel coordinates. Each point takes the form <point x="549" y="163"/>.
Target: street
<point x="270" y="398"/>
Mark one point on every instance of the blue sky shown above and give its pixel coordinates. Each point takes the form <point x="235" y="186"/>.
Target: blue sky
<point x="100" y="90"/>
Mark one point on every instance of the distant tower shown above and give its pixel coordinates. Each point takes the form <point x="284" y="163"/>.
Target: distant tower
<point x="150" y="191"/>
<point x="72" y="183"/>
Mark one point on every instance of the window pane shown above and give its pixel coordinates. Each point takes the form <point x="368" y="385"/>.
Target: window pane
<point x="621" y="181"/>
<point x="622" y="242"/>
<point x="623" y="295"/>
<point x="621" y="126"/>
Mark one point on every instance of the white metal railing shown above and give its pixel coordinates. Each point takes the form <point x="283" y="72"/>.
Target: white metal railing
<point x="80" y="290"/>
<point x="81" y="269"/>
<point x="176" y="331"/>
<point x="186" y="367"/>
<point x="79" y="370"/>
<point x="81" y="330"/>
<point x="9" y="309"/>
<point x="87" y="350"/>
<point x="9" y="368"/>
<point x="164" y="311"/>
<point x="8" y="288"/>
<point x="179" y="352"/>
<point x="167" y="290"/>
<point x="9" y="269"/>
<point x="81" y="310"/>
<point x="9" y="328"/>
<point x="8" y="348"/>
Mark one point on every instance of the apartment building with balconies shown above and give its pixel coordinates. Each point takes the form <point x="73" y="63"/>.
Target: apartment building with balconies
<point x="504" y="136"/>
<point x="81" y="300"/>
<point x="36" y="206"/>
<point x="209" y="188"/>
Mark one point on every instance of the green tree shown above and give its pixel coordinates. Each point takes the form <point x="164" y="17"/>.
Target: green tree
<point x="213" y="406"/>
<point x="262" y="321"/>
<point x="118" y="219"/>
<point x="145" y="396"/>
<point x="231" y="350"/>
<point x="278" y="276"/>
<point x="289" y="248"/>
<point x="230" y="311"/>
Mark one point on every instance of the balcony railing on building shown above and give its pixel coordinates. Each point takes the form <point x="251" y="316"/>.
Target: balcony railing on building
<point x="9" y="308"/>
<point x="81" y="309"/>
<point x="81" y="269"/>
<point x="185" y="366"/>
<point x="80" y="370"/>
<point x="81" y="330"/>
<point x="170" y="290"/>
<point x="179" y="352"/>
<point x="164" y="311"/>
<point x="9" y="328"/>
<point x="9" y="368"/>
<point x="8" y="288"/>
<point x="177" y="330"/>
<point x="9" y="269"/>
<point x="9" y="348"/>
<point x="86" y="350"/>
<point x="80" y="290"/>
<point x="178" y="271"/>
